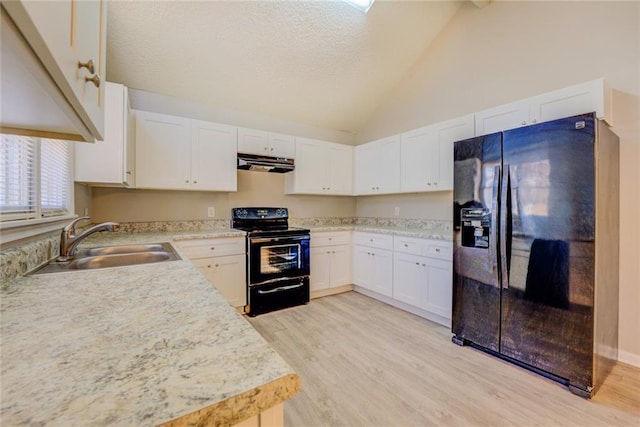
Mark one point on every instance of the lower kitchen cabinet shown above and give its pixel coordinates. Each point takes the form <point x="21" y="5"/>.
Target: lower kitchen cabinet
<point x="373" y="262"/>
<point x="224" y="272"/>
<point x="330" y="260"/>
<point x="223" y="263"/>
<point x="423" y="282"/>
<point x="414" y="274"/>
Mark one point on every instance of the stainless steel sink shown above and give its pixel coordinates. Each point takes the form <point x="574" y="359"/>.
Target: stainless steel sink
<point x="124" y="249"/>
<point x="118" y="260"/>
<point x="113" y="256"/>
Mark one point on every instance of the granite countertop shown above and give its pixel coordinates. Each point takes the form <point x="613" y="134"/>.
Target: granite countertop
<point x="435" y="234"/>
<point x="137" y="345"/>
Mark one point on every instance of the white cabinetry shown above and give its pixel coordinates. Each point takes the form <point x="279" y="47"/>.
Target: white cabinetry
<point x="321" y="168"/>
<point x="252" y="141"/>
<point x="422" y="275"/>
<point x="427" y="154"/>
<point x="65" y="35"/>
<point x="577" y="99"/>
<point x="183" y="154"/>
<point x="330" y="260"/>
<point x="110" y="162"/>
<point x="222" y="261"/>
<point x="373" y="262"/>
<point x="377" y="166"/>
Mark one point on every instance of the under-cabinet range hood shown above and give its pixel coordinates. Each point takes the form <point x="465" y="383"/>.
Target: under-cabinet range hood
<point x="259" y="163"/>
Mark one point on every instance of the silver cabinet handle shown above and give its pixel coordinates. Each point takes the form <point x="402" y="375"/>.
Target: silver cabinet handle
<point x="437" y="249"/>
<point x="95" y="80"/>
<point x="88" y="65"/>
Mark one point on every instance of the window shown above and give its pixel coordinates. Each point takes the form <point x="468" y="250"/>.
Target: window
<point x="35" y="179"/>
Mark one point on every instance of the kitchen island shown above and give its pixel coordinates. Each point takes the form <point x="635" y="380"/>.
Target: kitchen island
<point x="138" y="345"/>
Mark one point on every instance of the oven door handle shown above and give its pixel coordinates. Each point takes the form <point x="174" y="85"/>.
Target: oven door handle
<point x="281" y="288"/>
<point x="276" y="280"/>
<point x="278" y="239"/>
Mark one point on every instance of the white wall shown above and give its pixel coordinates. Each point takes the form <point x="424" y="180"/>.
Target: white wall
<point x="512" y="50"/>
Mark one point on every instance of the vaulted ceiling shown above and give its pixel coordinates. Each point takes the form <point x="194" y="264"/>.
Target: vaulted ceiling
<point x="319" y="63"/>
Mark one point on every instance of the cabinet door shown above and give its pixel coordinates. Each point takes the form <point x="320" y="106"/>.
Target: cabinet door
<point x="104" y="162"/>
<point x="439" y="287"/>
<point x="310" y="174"/>
<point x="419" y="163"/>
<point x="387" y="165"/>
<point x="252" y="141"/>
<point x="213" y="156"/>
<point x="409" y="279"/>
<point x="571" y="101"/>
<point x="446" y="133"/>
<point x="282" y="146"/>
<point x="508" y="116"/>
<point x="339" y="164"/>
<point x="320" y="268"/>
<point x="228" y="275"/>
<point x="382" y="270"/>
<point x="340" y="265"/>
<point x="163" y="145"/>
<point x="362" y="264"/>
<point x="62" y="34"/>
<point x="365" y="168"/>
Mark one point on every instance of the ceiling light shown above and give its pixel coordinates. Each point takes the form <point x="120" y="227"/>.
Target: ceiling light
<point x="362" y="5"/>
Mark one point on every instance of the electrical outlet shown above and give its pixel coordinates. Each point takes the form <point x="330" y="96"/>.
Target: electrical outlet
<point x="396" y="211"/>
<point x="86" y="212"/>
<point x="211" y="212"/>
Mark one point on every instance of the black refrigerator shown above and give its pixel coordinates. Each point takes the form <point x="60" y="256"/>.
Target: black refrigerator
<point x="535" y="266"/>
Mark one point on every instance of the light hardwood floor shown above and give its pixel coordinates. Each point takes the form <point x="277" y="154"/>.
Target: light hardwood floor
<point x="364" y="363"/>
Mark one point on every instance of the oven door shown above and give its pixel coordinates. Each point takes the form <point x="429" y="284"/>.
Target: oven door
<point x="272" y="259"/>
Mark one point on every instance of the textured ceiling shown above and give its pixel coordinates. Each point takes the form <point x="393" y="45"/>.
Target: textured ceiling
<point x="320" y="63"/>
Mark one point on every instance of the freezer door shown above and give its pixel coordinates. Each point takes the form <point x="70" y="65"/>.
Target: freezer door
<point x="548" y="245"/>
<point x="476" y="285"/>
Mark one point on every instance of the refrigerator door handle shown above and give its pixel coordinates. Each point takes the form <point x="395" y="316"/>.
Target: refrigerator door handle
<point x="504" y="190"/>
<point x="493" y="247"/>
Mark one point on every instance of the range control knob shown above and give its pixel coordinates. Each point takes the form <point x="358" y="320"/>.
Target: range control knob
<point x="241" y="213"/>
<point x="281" y="212"/>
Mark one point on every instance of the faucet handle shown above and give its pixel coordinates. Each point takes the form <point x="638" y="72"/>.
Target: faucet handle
<point x="71" y="227"/>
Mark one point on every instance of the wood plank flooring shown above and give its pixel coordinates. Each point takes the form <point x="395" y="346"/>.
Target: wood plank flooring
<point x="365" y="363"/>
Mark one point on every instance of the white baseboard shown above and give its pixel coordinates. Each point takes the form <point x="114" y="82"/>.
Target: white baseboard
<point x="629" y="358"/>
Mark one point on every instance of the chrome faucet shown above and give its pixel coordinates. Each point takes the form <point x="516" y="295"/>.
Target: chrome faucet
<point x="69" y="240"/>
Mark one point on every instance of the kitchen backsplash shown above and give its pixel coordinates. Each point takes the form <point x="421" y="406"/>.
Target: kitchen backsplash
<point x="159" y="226"/>
<point x="21" y="259"/>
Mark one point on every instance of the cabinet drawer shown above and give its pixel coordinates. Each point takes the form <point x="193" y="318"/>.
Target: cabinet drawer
<point x="204" y="248"/>
<point x="439" y="250"/>
<point x="374" y="240"/>
<point x="410" y="245"/>
<point x="330" y="238"/>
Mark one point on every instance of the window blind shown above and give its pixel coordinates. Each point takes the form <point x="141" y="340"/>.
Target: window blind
<point x="18" y="177"/>
<point x="35" y="180"/>
<point x="54" y="177"/>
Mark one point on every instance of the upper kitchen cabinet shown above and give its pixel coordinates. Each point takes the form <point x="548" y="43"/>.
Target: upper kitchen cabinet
<point x="55" y="65"/>
<point x="177" y="153"/>
<point x="582" y="98"/>
<point x="427" y="154"/>
<point x="377" y="166"/>
<point x="321" y="168"/>
<point x="252" y="141"/>
<point x="110" y="162"/>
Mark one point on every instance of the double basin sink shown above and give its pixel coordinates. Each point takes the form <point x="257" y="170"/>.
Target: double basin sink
<point x="113" y="256"/>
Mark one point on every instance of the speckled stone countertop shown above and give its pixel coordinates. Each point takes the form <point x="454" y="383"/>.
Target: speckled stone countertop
<point x="137" y="345"/>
